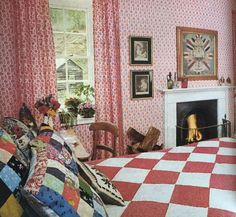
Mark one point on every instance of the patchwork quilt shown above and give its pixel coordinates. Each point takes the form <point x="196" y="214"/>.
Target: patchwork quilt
<point x="196" y="180"/>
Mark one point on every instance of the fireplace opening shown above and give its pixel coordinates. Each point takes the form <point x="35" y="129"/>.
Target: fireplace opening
<point x="194" y="119"/>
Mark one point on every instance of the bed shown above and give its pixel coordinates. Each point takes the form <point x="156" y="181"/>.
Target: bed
<point x="40" y="177"/>
<point x="196" y="180"/>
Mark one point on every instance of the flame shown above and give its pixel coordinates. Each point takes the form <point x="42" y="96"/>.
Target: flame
<point x="193" y="133"/>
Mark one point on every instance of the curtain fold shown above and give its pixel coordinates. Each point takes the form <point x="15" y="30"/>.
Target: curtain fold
<point x="107" y="65"/>
<point x="27" y="65"/>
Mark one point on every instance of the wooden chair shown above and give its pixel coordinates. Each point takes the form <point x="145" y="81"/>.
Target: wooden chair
<point x="106" y="128"/>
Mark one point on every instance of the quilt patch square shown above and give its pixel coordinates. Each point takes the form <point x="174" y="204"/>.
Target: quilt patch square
<point x="109" y="171"/>
<point x="186" y="211"/>
<point x="194" y="179"/>
<point x="191" y="196"/>
<point x="226" y="159"/>
<point x="128" y="189"/>
<point x="56" y="173"/>
<point x="10" y="178"/>
<point x="151" y="155"/>
<point x="219" y="213"/>
<point x="227" y="139"/>
<point x="131" y="175"/>
<point x="198" y="167"/>
<point x="115" y="162"/>
<point x="196" y="157"/>
<point x="142" y="163"/>
<point x="224" y="182"/>
<point x="154" y="192"/>
<point x="208" y="144"/>
<point x="53" y="183"/>
<point x="176" y="156"/>
<point x="229" y="169"/>
<point x="144" y="208"/>
<point x="161" y="177"/>
<point x="166" y="165"/>
<point x="227" y="144"/>
<point x="206" y="150"/>
<point x="182" y="149"/>
<point x="223" y="199"/>
<point x="5" y="156"/>
<point x="5" y="193"/>
<point x="227" y="151"/>
<point x="17" y="166"/>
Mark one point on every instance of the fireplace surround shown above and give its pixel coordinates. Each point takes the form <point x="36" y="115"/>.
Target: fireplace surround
<point x="174" y="96"/>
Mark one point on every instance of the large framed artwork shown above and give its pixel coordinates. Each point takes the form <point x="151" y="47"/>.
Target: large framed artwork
<point x="141" y="84"/>
<point x="140" y="50"/>
<point x="197" y="53"/>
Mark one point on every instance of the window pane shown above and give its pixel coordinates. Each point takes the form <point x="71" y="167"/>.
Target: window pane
<point x="61" y="69"/>
<point x="76" y="45"/>
<point x="78" y="69"/>
<point x="57" y="19"/>
<point x="59" y="44"/>
<point x="72" y="88"/>
<point x="61" y="90"/>
<point x="75" y="21"/>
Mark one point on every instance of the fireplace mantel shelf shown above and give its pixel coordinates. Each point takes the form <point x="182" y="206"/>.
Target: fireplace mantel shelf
<point x="195" y="89"/>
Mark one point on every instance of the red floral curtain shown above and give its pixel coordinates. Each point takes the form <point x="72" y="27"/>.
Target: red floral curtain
<point x="27" y="61"/>
<point x="107" y="65"/>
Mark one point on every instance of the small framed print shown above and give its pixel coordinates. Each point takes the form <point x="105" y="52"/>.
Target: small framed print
<point x="141" y="84"/>
<point x="140" y="50"/>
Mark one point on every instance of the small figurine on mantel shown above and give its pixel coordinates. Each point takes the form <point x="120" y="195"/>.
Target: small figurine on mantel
<point x="228" y="81"/>
<point x="221" y="81"/>
<point x="176" y="85"/>
<point x="170" y="82"/>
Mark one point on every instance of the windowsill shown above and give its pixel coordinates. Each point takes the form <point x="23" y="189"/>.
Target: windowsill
<point x="81" y="121"/>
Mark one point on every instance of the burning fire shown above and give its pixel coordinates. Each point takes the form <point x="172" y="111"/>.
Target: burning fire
<point x="193" y="133"/>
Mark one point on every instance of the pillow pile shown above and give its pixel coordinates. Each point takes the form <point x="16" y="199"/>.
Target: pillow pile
<point x="20" y="134"/>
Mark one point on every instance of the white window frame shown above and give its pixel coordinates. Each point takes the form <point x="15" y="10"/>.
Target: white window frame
<point x="85" y="5"/>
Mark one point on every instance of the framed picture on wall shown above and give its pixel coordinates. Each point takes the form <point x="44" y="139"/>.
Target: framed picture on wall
<point x="140" y="50"/>
<point x="141" y="84"/>
<point x="197" y="53"/>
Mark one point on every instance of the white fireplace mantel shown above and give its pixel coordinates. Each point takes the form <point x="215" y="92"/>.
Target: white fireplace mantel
<point x="174" y="96"/>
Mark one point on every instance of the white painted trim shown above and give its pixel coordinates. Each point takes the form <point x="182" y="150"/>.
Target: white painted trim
<point x="172" y="97"/>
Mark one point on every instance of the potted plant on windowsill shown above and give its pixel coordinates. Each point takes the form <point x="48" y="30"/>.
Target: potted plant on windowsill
<point x="86" y="110"/>
<point x="86" y="94"/>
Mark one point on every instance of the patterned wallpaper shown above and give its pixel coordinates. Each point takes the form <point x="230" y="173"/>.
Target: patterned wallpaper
<point x="158" y="19"/>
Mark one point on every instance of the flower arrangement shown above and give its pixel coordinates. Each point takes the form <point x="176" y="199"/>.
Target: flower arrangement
<point x="87" y="110"/>
<point x="47" y="105"/>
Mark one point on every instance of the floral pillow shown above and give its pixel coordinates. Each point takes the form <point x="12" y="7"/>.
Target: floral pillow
<point x="20" y="133"/>
<point x="102" y="185"/>
<point x="52" y="183"/>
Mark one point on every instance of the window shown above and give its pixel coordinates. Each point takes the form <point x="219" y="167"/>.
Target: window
<point x="72" y="29"/>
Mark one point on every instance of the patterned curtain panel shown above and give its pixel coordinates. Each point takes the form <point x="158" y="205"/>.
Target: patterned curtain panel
<point x="234" y="61"/>
<point x="27" y="62"/>
<point x="107" y="65"/>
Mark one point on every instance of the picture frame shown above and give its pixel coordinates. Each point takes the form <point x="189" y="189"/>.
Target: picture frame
<point x="140" y="50"/>
<point x="141" y="84"/>
<point x="197" y="53"/>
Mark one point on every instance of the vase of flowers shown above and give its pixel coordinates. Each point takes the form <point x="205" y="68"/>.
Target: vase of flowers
<point x="87" y="110"/>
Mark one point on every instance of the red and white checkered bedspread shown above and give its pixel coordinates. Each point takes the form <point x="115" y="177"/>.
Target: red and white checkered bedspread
<point x="197" y="180"/>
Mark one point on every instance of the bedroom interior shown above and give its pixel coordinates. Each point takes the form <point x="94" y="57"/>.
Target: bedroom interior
<point x="159" y="75"/>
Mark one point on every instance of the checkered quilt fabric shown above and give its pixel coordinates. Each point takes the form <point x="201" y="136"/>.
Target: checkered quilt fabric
<point x="198" y="180"/>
